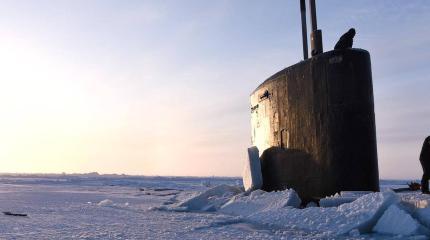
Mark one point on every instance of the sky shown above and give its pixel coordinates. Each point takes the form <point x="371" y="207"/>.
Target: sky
<point x="162" y="87"/>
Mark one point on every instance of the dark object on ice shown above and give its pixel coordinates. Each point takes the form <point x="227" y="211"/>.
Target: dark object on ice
<point x="414" y="186"/>
<point x="425" y="164"/>
<point x="406" y="189"/>
<point x="159" y="189"/>
<point x="316" y="131"/>
<point x="160" y="192"/>
<point x="15" y="214"/>
<point x="346" y="40"/>
<point x="165" y="194"/>
<point x="163" y="189"/>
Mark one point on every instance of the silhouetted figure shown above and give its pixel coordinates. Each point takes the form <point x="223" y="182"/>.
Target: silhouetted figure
<point x="346" y="40"/>
<point x="425" y="163"/>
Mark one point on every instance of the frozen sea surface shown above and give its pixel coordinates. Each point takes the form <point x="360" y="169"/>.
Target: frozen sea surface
<point x="126" y="207"/>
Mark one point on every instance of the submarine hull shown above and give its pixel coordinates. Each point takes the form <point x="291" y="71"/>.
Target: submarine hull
<point x="314" y="124"/>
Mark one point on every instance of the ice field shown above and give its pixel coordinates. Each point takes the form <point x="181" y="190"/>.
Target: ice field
<point x="92" y="206"/>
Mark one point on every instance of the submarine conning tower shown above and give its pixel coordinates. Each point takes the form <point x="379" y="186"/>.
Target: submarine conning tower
<point x="314" y="124"/>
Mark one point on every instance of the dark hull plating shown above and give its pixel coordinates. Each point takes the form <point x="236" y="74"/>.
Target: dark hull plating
<point x="316" y="122"/>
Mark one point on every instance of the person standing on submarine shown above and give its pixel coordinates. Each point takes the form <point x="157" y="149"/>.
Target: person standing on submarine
<point x="425" y="163"/>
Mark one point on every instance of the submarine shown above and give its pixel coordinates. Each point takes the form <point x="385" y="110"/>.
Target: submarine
<point x="314" y="122"/>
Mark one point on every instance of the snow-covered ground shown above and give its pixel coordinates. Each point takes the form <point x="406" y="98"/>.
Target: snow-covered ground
<point x="127" y="207"/>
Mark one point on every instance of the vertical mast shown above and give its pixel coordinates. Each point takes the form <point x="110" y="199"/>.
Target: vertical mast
<point x="316" y="34"/>
<point x="304" y="29"/>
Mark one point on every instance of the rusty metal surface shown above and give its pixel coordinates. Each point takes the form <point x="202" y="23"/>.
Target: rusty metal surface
<point x="323" y="109"/>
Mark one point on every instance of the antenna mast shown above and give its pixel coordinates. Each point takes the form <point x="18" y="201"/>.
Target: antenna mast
<point x="316" y="34"/>
<point x="304" y="29"/>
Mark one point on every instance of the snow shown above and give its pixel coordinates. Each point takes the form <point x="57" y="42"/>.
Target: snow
<point x="336" y="201"/>
<point x="397" y="221"/>
<point x="360" y="214"/>
<point x="342" y="198"/>
<point x="135" y="207"/>
<point x="66" y="207"/>
<point x="311" y="204"/>
<point x="416" y="200"/>
<point x="105" y="203"/>
<point x="423" y="216"/>
<point x="355" y="194"/>
<point x="354" y="233"/>
<point x="252" y="176"/>
<point x="245" y="205"/>
<point x="280" y="209"/>
<point x="210" y="200"/>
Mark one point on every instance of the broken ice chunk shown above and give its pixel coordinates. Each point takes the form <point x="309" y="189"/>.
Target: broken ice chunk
<point x="397" y="221"/>
<point x="257" y="201"/>
<point x="210" y="200"/>
<point x="252" y="177"/>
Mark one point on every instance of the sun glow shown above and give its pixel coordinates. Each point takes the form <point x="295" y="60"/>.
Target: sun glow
<point x="45" y="109"/>
<point x="59" y="115"/>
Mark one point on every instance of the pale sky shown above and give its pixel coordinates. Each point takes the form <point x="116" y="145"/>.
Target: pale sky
<point x="162" y="87"/>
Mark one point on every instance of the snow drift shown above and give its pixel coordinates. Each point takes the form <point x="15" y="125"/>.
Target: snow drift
<point x="351" y="213"/>
<point x="397" y="221"/>
<point x="361" y="214"/>
<point x="210" y="200"/>
<point x="259" y="201"/>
